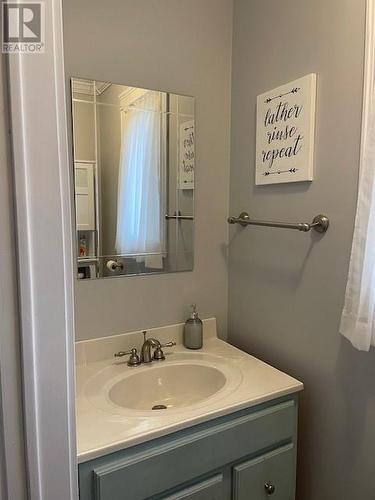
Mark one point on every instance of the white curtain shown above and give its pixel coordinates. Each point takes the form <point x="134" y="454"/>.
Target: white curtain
<point x="139" y="225"/>
<point x="358" y="316"/>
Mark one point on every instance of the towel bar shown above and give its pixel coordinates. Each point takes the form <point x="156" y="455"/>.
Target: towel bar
<point x="320" y="223"/>
<point x="179" y="217"/>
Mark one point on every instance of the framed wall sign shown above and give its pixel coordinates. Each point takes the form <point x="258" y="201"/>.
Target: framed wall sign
<point x="285" y="133"/>
<point x="187" y="155"/>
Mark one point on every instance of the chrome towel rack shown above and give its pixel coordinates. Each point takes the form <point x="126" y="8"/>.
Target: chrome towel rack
<point x="179" y="217"/>
<point x="320" y="223"/>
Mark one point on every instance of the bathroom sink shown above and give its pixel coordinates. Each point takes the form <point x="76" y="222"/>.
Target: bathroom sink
<point x="114" y="401"/>
<point x="183" y="382"/>
<point x="167" y="386"/>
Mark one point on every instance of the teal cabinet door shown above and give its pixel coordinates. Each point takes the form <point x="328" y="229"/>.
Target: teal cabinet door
<point x="267" y="477"/>
<point x="211" y="489"/>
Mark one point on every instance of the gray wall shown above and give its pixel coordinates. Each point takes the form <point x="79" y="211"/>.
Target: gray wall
<point x="109" y="144"/>
<point x="287" y="288"/>
<point x="182" y="47"/>
<point x="84" y="130"/>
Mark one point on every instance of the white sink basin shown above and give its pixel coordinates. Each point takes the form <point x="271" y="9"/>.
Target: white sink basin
<point x="181" y="383"/>
<point x="167" y="386"/>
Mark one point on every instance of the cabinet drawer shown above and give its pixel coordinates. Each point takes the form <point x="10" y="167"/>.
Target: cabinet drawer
<point x="270" y="476"/>
<point x="211" y="489"/>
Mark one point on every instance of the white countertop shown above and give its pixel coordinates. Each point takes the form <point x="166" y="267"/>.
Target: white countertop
<point x="105" y="429"/>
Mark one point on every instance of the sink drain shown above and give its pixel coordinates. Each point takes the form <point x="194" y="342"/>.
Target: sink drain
<point x="159" y="407"/>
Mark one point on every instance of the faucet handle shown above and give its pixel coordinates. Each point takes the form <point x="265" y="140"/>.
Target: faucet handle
<point x="159" y="354"/>
<point x="168" y="344"/>
<point x="134" y="359"/>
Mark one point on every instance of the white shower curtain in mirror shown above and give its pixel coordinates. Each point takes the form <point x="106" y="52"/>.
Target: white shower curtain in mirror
<point x="139" y="228"/>
<point x="358" y="316"/>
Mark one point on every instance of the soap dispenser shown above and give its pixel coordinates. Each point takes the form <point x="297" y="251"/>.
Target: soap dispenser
<point x="193" y="331"/>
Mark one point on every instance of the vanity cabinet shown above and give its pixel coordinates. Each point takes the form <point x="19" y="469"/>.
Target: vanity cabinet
<point x="248" y="455"/>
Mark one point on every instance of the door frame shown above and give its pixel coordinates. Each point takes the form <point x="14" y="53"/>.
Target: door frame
<point x="12" y="450"/>
<point x="44" y="219"/>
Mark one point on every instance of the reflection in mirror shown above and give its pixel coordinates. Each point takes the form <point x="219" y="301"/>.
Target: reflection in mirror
<point x="133" y="178"/>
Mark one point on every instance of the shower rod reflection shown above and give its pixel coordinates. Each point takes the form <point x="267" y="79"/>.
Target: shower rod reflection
<point x="320" y="223"/>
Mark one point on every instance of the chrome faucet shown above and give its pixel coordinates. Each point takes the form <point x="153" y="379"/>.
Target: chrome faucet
<point x="148" y="344"/>
<point x="146" y="353"/>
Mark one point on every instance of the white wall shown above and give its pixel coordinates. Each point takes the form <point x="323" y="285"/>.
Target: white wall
<point x="182" y="47"/>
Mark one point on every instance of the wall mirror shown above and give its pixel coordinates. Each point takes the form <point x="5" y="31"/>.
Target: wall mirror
<point x="133" y="155"/>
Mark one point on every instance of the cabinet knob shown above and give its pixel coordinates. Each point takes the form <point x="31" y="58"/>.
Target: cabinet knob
<point x="270" y="488"/>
